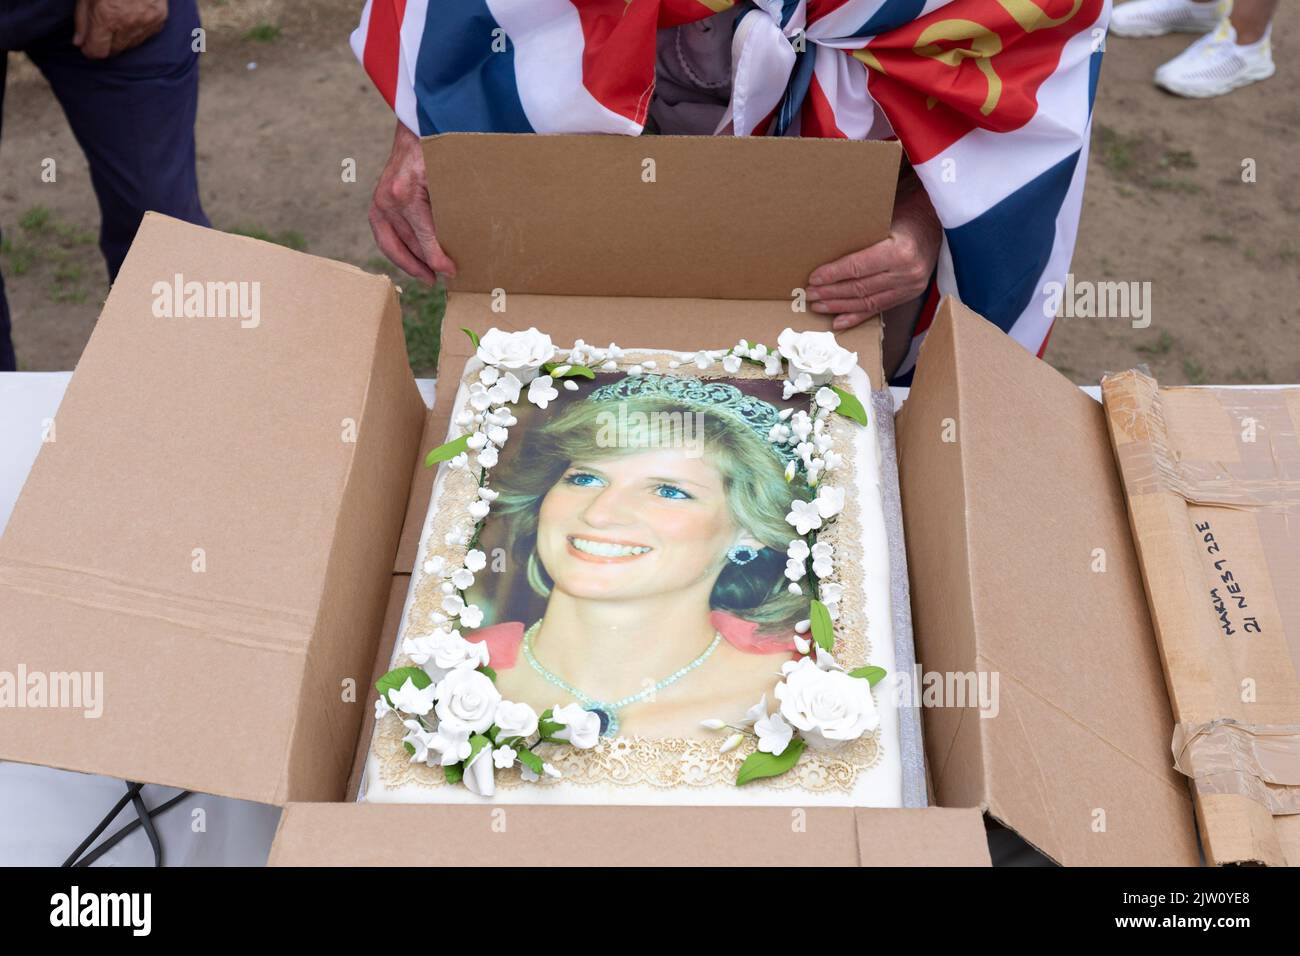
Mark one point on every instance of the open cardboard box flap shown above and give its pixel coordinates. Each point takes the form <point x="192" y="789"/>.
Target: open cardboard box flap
<point x="212" y="526"/>
<point x="1022" y="565"/>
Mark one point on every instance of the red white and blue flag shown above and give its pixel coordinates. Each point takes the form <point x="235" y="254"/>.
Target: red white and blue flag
<point x="991" y="99"/>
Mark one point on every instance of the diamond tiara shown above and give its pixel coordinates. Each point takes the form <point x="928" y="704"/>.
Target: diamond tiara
<point x="705" y="394"/>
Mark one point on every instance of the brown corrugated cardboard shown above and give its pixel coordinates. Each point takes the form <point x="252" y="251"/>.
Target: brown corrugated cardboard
<point x="1022" y="565"/>
<point x="212" y="527"/>
<point x="681" y="216"/>
<point x="362" y="835"/>
<point x="1213" y="484"/>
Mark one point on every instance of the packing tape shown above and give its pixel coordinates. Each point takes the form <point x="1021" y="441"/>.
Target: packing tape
<point x="1259" y="761"/>
<point x="276" y="629"/>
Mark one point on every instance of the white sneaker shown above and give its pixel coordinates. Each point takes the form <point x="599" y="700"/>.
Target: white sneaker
<point x="1154" y="18"/>
<point x="1215" y="65"/>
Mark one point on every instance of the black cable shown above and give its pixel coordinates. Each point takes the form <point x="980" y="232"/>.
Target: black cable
<point x="130" y="828"/>
<point x="103" y="824"/>
<point x="144" y="818"/>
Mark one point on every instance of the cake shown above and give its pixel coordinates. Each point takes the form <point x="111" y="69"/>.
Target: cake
<point x="648" y="576"/>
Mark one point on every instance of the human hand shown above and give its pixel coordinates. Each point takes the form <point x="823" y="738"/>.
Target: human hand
<point x="893" y="271"/>
<point x="400" y="216"/>
<point x="104" y="28"/>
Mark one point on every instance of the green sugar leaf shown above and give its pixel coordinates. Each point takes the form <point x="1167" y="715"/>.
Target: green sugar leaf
<point x="759" y="765"/>
<point x="849" y="405"/>
<point x="396" y="678"/>
<point x="872" y="675"/>
<point x="447" y="452"/>
<point x="823" y="631"/>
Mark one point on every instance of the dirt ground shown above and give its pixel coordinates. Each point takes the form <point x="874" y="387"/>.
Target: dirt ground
<point x="283" y="103"/>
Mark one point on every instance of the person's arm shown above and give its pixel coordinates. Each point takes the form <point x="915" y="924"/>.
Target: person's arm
<point x="892" y="272"/>
<point x="104" y="28"/>
<point x="400" y="215"/>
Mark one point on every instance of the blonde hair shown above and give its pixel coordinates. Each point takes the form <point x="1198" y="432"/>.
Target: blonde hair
<point x="758" y="495"/>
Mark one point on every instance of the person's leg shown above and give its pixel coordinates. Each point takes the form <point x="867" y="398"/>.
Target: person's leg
<point x="1251" y="19"/>
<point x="133" y="115"/>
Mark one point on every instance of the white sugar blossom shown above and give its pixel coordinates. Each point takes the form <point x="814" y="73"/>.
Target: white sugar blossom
<point x="497" y="434"/>
<point x="515" y="720"/>
<point x="412" y="699"/>
<point x="581" y="728"/>
<point x="480" y="774"/>
<point x="468" y="699"/>
<point x="830" y="501"/>
<point x="610" y="366"/>
<point x="789" y="471"/>
<point x="801" y="425"/>
<point x="489" y="375"/>
<point x="464" y="419"/>
<point x="827" y="398"/>
<point x="822" y="553"/>
<point x="827" y="707"/>
<point x="471" y="616"/>
<point x="476" y="441"/>
<point x="522" y="353"/>
<point x="570" y="385"/>
<point x="451" y="742"/>
<point x="755" y="713"/>
<point x="532" y="776"/>
<point x="435" y="565"/>
<point x="443" y="651"/>
<point x="702" y="359"/>
<point x="778" y="434"/>
<point x="832" y="459"/>
<point x="814" y="470"/>
<point x="731" y="743"/>
<point x="831" y="593"/>
<point x="381" y="707"/>
<point x="815" y="354"/>
<point x="419" y="739"/>
<point x="804" y="515"/>
<point x="541" y="393"/>
<point x="479" y="400"/>
<point x="504" y="757"/>
<point x="453" y="604"/>
<point x="713" y="724"/>
<point x="798" y="550"/>
<point x="795" y="589"/>
<point x="462" y="579"/>
<point x="792" y="386"/>
<point x="801" y="644"/>
<point x="774" y="734"/>
<point x="772" y="365"/>
<point x="731" y="363"/>
<point x="826" y="660"/>
<point x="478" y="509"/>
<point x="802" y="627"/>
<point x="795" y="570"/>
<point x="487" y="458"/>
<point x="635" y="370"/>
<point x="476" y="560"/>
<point x="458" y="462"/>
<point x="506" y="391"/>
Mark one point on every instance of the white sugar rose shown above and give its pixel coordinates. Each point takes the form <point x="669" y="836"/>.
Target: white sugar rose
<point x="827" y="707"/>
<point x="815" y="353"/>
<point x="467" y="699"/>
<point x="581" y="727"/>
<point x="412" y="699"/>
<point x="444" y="651"/>
<point x="522" y="353"/>
<point x="515" y="720"/>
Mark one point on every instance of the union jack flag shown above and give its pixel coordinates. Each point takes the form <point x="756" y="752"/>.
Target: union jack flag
<point x="991" y="100"/>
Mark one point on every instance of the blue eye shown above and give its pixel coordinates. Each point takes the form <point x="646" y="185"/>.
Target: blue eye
<point x="672" y="492"/>
<point x="582" y="479"/>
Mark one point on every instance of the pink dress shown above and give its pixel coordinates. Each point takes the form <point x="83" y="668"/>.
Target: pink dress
<point x="503" y="640"/>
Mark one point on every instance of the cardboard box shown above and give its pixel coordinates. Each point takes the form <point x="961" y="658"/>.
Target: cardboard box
<point x="1212" y="477"/>
<point x="179" y="434"/>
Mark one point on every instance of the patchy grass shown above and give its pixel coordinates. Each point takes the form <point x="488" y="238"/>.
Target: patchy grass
<point x="1223" y="238"/>
<point x="422" y="309"/>
<point x="1194" y="372"/>
<point x="264" y="33"/>
<point x="1138" y="159"/>
<point x="1160" y="346"/>
<point x="46" y="247"/>
<point x="290" y="238"/>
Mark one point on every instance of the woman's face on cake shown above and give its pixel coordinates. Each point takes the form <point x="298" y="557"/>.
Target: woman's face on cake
<point x="636" y="525"/>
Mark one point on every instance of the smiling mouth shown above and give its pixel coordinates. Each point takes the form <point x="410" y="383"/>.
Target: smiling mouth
<point x="592" y="549"/>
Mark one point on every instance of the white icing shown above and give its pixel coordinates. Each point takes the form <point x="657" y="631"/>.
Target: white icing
<point x="879" y="786"/>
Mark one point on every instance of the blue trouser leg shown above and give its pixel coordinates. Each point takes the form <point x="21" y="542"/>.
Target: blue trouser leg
<point x="133" y="115"/>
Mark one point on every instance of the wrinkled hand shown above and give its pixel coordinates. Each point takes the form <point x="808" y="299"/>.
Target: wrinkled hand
<point x="104" y="28"/>
<point x="893" y="271"/>
<point x="400" y="216"/>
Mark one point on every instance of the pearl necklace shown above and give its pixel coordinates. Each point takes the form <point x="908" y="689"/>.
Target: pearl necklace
<point x="608" y="710"/>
